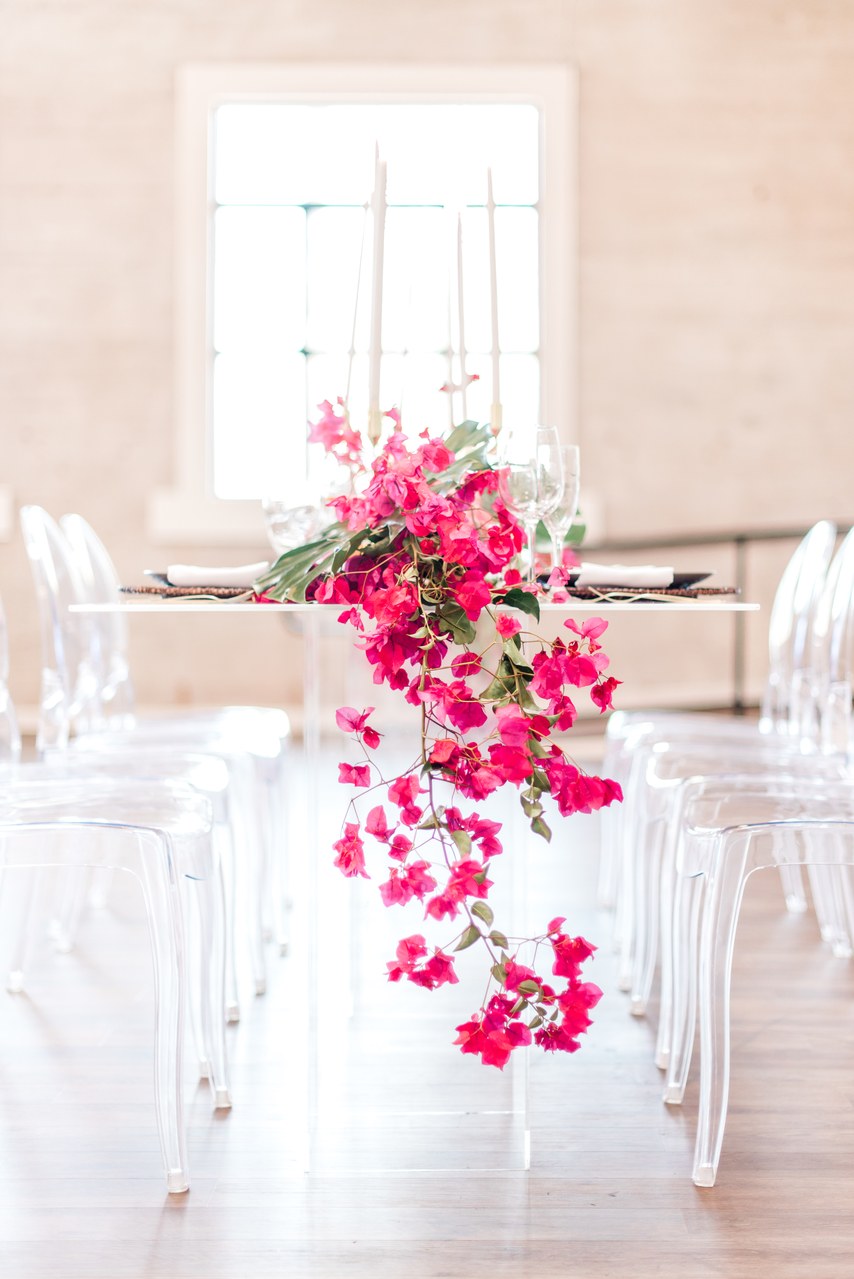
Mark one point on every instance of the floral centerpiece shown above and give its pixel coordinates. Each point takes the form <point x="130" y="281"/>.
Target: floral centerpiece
<point x="421" y="561"/>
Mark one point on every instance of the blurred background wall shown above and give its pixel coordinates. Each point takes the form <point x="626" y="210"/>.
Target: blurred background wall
<point x="716" y="299"/>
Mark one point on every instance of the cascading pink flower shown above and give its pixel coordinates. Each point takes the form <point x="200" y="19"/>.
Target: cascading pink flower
<point x="353" y="721"/>
<point x="507" y="626"/>
<point x="354" y="775"/>
<point x="351" y="852"/>
<point x="434" y="554"/>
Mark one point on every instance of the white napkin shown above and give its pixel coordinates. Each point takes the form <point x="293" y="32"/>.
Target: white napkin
<point x="637" y="575"/>
<point x="195" y="575"/>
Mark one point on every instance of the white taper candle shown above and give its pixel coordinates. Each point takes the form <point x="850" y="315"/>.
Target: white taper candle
<point x="378" y="205"/>
<point x="493" y="301"/>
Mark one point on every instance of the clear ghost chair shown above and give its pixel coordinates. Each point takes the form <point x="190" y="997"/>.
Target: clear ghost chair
<point x="70" y="699"/>
<point x="205" y="773"/>
<point x="672" y="770"/>
<point x="787" y="641"/>
<point x="104" y="779"/>
<point x="720" y="858"/>
<point x="260" y="731"/>
<point x="660" y="764"/>
<point x="161" y="834"/>
<point x="767" y="799"/>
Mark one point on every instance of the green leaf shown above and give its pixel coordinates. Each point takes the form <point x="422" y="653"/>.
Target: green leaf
<point x="499" y="972"/>
<point x="344" y="552"/>
<point x="523" y="600"/>
<point x="454" y="618"/>
<point x="498" y="939"/>
<point x="535" y="1023"/>
<point x="529" y="987"/>
<point x="539" y="827"/>
<point x="530" y="807"/>
<point x="503" y="685"/>
<point x="469" y="937"/>
<point x="462" y="839"/>
<point x="517" y="1007"/>
<point x="484" y="912"/>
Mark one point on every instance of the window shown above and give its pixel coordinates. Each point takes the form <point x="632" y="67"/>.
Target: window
<point x="274" y="167"/>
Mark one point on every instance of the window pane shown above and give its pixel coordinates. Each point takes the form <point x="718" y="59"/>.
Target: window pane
<point x="259" y="279"/>
<point x="278" y="153"/>
<point x="334" y="246"/>
<point x="520" y="390"/>
<point x="518" y="279"/>
<point x="259" y="426"/>
<point x="415" y="280"/>
<point x="292" y="181"/>
<point x="270" y="153"/>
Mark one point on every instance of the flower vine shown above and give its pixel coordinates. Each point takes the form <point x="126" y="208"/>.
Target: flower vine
<point x="422" y="564"/>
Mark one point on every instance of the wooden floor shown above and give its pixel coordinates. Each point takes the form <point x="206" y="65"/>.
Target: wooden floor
<point x="410" y="1170"/>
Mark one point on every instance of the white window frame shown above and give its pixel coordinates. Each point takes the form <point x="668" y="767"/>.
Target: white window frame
<point x="187" y="513"/>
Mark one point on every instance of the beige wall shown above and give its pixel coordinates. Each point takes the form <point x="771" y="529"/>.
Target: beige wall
<point x="716" y="275"/>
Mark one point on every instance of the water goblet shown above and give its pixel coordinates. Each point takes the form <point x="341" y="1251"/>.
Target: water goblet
<point x="559" y="520"/>
<point x="531" y="481"/>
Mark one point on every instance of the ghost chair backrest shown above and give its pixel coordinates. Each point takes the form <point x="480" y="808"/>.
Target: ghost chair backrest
<point x="792" y="612"/>
<point x="102" y="586"/>
<point x="69" y="642"/>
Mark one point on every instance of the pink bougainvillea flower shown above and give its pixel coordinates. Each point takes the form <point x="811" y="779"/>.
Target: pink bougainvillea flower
<point x="403" y="790"/>
<point x="467" y="879"/>
<point x="395" y="891"/>
<point x="552" y="1037"/>
<point x="512" y="762"/>
<point x="513" y="726"/>
<point x="376" y="824"/>
<point x="414" y="880"/>
<point x="465" y="665"/>
<point x="471" y="1037"/>
<point x="350" y="720"/>
<point x="472" y="594"/>
<point x="506" y="625"/>
<point x="592" y="628"/>
<point x="444" y="751"/>
<point x="443" y="906"/>
<point x="409" y="951"/>
<point x="570" y="953"/>
<point x="351" y="852"/>
<point x="354" y="775"/>
<point x="516" y="974"/>
<point x="400" y="848"/>
<point x="437" y="971"/>
<point x="603" y="692"/>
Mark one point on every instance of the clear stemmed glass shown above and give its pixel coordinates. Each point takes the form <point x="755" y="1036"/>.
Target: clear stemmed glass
<point x="531" y="481"/>
<point x="558" y="521"/>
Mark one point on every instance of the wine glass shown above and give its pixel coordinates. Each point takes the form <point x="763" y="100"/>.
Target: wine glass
<point x="558" y="521"/>
<point x="531" y="481"/>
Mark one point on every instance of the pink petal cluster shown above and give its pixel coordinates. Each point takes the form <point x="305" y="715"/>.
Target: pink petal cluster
<point x="413" y="964"/>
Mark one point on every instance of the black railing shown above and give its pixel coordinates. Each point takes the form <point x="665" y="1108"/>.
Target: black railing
<point x="740" y="540"/>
